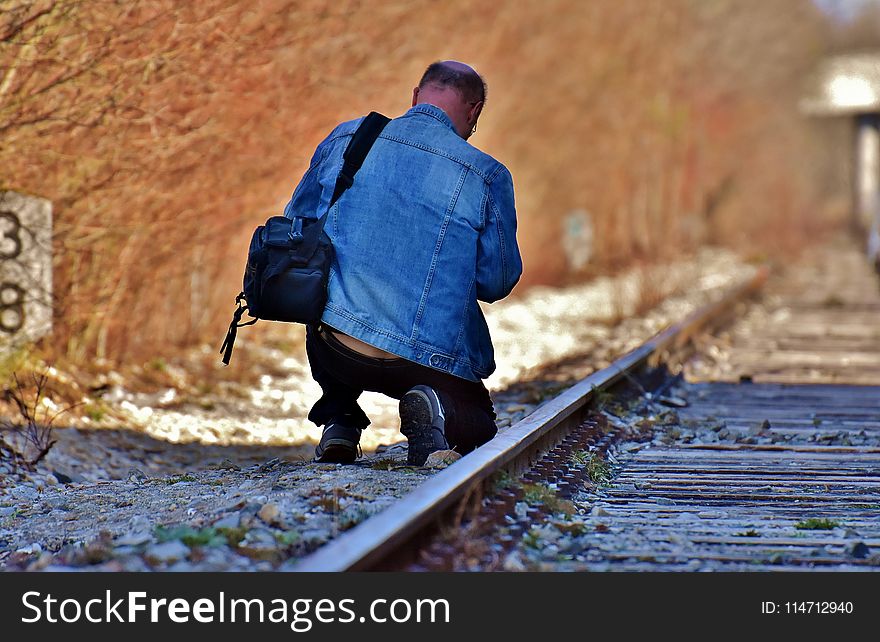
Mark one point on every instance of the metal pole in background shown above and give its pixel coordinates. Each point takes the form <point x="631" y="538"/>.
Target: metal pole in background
<point x="867" y="171"/>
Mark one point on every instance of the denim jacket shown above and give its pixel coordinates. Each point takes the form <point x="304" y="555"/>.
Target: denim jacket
<point x="427" y="229"/>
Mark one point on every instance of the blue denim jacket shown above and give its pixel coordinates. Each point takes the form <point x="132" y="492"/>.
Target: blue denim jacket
<point x="427" y="229"/>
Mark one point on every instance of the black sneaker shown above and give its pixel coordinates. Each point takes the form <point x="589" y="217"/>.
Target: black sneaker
<point x="423" y="423"/>
<point x="339" y="444"/>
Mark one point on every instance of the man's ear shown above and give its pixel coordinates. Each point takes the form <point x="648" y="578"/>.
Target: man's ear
<point x="476" y="110"/>
<point x="415" y="97"/>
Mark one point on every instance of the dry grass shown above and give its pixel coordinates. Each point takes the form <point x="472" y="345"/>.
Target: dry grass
<point x="648" y="286"/>
<point x="164" y="131"/>
<point x="28" y="439"/>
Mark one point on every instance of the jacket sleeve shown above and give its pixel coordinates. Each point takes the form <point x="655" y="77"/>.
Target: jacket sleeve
<point x="308" y="198"/>
<point x="499" y="264"/>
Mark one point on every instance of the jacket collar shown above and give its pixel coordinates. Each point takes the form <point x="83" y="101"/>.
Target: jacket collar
<point x="433" y="111"/>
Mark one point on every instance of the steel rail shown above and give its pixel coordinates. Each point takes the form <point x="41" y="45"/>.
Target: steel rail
<point x="377" y="539"/>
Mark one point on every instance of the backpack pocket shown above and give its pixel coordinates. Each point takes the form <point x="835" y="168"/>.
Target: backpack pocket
<point x="291" y="270"/>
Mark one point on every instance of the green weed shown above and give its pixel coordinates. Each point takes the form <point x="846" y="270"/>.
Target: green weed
<point x="287" y="538"/>
<point x="503" y="480"/>
<point x="570" y="527"/>
<point x="540" y="495"/>
<point x="532" y="539"/>
<point x="190" y="536"/>
<point x="208" y="536"/>
<point x="233" y="535"/>
<point x="95" y="410"/>
<point x="598" y="470"/>
<point x="814" y="524"/>
<point x="351" y="517"/>
<point x="179" y="478"/>
<point x="601" y="398"/>
<point x="328" y="499"/>
<point x="12" y="360"/>
<point x="383" y="463"/>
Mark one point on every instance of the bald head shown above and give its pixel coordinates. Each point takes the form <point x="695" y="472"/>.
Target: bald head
<point x="457" y="89"/>
<point x="455" y="75"/>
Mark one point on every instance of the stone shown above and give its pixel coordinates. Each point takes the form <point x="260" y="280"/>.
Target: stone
<point x="134" y="539"/>
<point x="673" y="402"/>
<point x="249" y="515"/>
<point x="858" y="550"/>
<point x="125" y="550"/>
<point x="31" y="549"/>
<point x="133" y="564"/>
<point x="269" y="513"/>
<point x="226" y="464"/>
<point x="514" y="563"/>
<point x="442" y="459"/>
<point x="314" y="536"/>
<point x="136" y="476"/>
<point x="758" y="429"/>
<point x="259" y="544"/>
<point x="241" y="503"/>
<point x="399" y="448"/>
<point x="232" y="520"/>
<point x="59" y="568"/>
<point x="166" y="553"/>
<point x="139" y="523"/>
<point x="25" y="492"/>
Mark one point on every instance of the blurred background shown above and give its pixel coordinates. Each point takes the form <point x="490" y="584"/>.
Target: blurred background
<point x="164" y="131"/>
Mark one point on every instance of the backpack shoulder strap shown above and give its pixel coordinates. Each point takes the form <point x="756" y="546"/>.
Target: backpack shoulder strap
<point x="358" y="148"/>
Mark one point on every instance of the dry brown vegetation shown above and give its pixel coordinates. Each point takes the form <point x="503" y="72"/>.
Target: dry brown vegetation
<point x="26" y="440"/>
<point x="164" y="131"/>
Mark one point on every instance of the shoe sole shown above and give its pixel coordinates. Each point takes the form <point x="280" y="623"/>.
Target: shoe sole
<point x="415" y="425"/>
<point x="337" y="451"/>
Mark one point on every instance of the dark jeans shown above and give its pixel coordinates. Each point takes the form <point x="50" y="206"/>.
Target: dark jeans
<point x="344" y="374"/>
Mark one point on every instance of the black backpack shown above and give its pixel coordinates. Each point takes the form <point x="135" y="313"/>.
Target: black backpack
<point x="289" y="258"/>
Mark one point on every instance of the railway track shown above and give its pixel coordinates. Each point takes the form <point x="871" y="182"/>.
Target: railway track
<point x="759" y="454"/>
